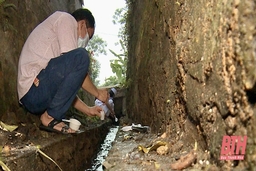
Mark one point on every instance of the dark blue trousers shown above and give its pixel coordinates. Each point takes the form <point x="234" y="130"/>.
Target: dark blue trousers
<point x="59" y="83"/>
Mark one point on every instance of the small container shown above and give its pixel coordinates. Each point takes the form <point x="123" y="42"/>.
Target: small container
<point x="74" y="124"/>
<point x="102" y="115"/>
<point x="116" y="119"/>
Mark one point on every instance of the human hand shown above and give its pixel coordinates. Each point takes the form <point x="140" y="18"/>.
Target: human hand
<point x="94" y="111"/>
<point x="103" y="95"/>
<point x="113" y="113"/>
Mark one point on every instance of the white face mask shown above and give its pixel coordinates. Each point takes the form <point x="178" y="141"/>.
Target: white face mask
<point x="82" y="42"/>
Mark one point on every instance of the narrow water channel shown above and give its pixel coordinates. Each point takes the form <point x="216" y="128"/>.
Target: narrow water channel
<point x="104" y="149"/>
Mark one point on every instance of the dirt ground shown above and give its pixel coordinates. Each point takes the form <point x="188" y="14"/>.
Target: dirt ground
<point x="126" y="154"/>
<point x="133" y="150"/>
<point x="143" y="151"/>
<point x="21" y="149"/>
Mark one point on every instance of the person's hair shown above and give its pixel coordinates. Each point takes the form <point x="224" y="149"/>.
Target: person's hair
<point x="84" y="14"/>
<point x="111" y="93"/>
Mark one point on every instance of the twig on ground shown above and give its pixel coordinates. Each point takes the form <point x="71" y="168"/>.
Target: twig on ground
<point x="41" y="152"/>
<point x="4" y="167"/>
<point x="186" y="160"/>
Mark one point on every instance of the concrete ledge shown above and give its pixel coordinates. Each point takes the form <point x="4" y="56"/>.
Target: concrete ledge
<point x="71" y="152"/>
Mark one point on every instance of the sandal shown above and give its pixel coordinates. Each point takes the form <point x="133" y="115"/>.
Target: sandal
<point x="49" y="128"/>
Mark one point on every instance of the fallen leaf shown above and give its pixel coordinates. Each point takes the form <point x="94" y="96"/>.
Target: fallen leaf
<point x="7" y="127"/>
<point x="157" y="165"/>
<point x="107" y="165"/>
<point x="6" y="149"/>
<point x="142" y="148"/>
<point x="164" y="135"/>
<point x="153" y="147"/>
<point x="162" y="150"/>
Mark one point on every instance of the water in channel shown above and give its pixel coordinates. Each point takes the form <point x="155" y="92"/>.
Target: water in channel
<point x="104" y="149"/>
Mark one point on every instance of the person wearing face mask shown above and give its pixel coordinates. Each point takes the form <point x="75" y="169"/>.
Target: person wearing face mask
<point x="53" y="66"/>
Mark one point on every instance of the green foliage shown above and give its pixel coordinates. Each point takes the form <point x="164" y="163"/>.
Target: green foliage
<point x="120" y="17"/>
<point x="5" y="16"/>
<point x="119" y="65"/>
<point x="96" y="47"/>
<point x="110" y="81"/>
<point x="94" y="70"/>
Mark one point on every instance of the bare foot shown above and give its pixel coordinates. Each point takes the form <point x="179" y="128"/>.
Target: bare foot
<point x="46" y="119"/>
